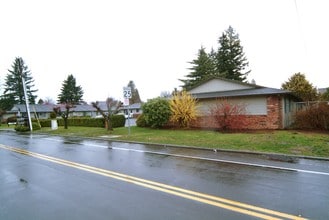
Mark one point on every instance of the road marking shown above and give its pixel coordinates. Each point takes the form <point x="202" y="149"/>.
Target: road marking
<point x="206" y="159"/>
<point x="184" y="193"/>
<point x="227" y="161"/>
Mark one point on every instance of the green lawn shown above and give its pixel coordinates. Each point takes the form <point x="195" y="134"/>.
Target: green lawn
<point x="283" y="141"/>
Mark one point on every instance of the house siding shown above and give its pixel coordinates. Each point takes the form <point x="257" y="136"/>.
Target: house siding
<point x="217" y="85"/>
<point x="272" y="119"/>
<point x="253" y="105"/>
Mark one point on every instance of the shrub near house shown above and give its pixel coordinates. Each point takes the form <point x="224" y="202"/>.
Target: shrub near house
<point x="228" y="115"/>
<point x="156" y="112"/>
<point x="313" y="117"/>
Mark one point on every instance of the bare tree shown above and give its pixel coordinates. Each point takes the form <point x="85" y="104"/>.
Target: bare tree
<point x="65" y="114"/>
<point x="227" y="114"/>
<point x="112" y="108"/>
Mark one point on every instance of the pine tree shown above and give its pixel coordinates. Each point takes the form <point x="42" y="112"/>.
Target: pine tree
<point x="13" y="88"/>
<point x="202" y="68"/>
<point x="70" y="92"/>
<point x="231" y="61"/>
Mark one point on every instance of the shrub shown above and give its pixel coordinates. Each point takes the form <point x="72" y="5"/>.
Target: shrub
<point x="183" y="108"/>
<point x="228" y="115"/>
<point x="35" y="126"/>
<point x="24" y="128"/>
<point x="45" y="123"/>
<point x="156" y="112"/>
<point x="313" y="117"/>
<point x="140" y="121"/>
<point x="53" y="115"/>
<point x="117" y="121"/>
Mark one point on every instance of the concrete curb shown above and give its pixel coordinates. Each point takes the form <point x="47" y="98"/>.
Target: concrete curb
<point x="268" y="154"/>
<point x="278" y="156"/>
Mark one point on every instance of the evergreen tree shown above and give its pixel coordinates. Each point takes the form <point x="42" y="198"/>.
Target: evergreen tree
<point x="13" y="87"/>
<point x="70" y="92"/>
<point x="228" y="61"/>
<point x="302" y="88"/>
<point x="231" y="61"/>
<point x="134" y="93"/>
<point x="202" y="67"/>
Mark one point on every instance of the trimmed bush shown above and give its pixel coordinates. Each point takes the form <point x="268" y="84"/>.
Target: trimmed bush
<point x="35" y="126"/>
<point x="156" y="112"/>
<point x="24" y="128"/>
<point x="140" y="121"/>
<point x="45" y="123"/>
<point x="117" y="121"/>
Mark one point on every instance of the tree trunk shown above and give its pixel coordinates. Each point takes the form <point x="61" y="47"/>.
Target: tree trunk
<point x="65" y="123"/>
<point x="109" y="124"/>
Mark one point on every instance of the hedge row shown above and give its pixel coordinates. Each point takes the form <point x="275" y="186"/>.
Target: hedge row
<point x="117" y="121"/>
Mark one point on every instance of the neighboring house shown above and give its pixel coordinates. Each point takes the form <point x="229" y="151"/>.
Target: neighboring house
<point x="43" y="111"/>
<point x="322" y="90"/>
<point x="133" y="109"/>
<point x="85" y="110"/>
<point x="265" y="108"/>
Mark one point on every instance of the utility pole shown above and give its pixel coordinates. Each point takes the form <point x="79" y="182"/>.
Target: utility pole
<point x="27" y="103"/>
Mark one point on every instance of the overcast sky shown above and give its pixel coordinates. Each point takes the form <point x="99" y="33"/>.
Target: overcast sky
<point x="106" y="43"/>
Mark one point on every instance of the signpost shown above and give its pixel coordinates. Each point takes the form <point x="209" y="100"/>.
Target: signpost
<point x="126" y="97"/>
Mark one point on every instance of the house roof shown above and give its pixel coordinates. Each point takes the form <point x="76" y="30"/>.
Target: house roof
<point x="33" y="107"/>
<point x="50" y="108"/>
<point x="77" y="108"/>
<point x="227" y="80"/>
<point x="243" y="92"/>
<point x="245" y="89"/>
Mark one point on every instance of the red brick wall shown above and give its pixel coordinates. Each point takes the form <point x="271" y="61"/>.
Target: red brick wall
<point x="273" y="119"/>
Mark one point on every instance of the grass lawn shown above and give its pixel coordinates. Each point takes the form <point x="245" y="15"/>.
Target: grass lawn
<point x="304" y="143"/>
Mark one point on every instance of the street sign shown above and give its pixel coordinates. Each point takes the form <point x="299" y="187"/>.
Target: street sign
<point x="126" y="97"/>
<point x="125" y="102"/>
<point x="127" y="92"/>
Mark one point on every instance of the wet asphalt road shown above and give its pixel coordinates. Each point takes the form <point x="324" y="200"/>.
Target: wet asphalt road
<point x="49" y="177"/>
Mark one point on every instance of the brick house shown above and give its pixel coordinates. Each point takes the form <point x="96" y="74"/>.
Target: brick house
<point x="265" y="108"/>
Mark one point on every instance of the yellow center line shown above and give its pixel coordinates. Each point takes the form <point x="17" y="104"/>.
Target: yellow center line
<point x="184" y="193"/>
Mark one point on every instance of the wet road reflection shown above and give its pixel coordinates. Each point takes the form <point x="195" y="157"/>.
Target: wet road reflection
<point x="248" y="178"/>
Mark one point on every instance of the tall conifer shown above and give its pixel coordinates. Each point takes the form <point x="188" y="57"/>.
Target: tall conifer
<point x="13" y="87"/>
<point x="231" y="61"/>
